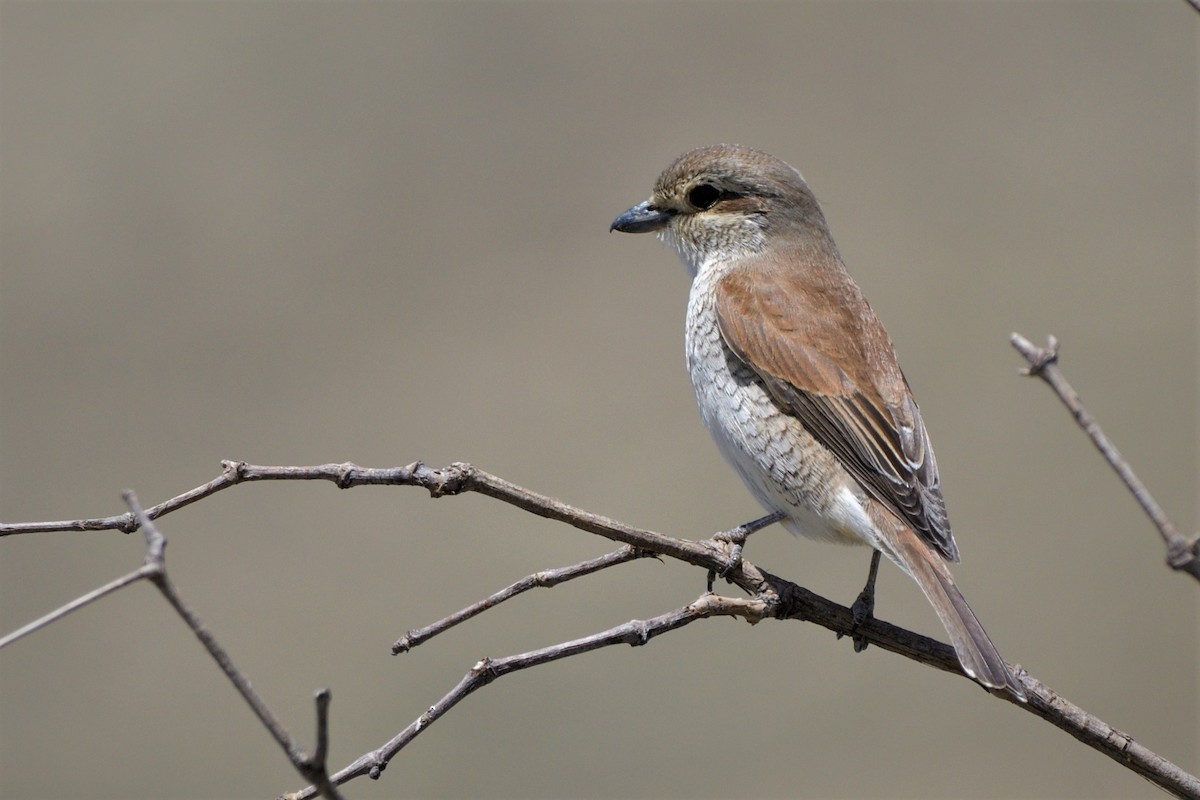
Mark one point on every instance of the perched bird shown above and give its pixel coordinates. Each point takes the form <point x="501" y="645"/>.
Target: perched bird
<point x="798" y="382"/>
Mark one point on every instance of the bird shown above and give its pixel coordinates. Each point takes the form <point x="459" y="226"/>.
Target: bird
<point x="798" y="381"/>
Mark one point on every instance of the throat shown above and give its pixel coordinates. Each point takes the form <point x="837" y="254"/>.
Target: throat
<point x="713" y="251"/>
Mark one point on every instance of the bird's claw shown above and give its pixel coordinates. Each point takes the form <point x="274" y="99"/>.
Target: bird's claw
<point x="863" y="611"/>
<point x="733" y="540"/>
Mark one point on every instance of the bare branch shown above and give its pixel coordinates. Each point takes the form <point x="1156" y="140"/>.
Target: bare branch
<point x="454" y="479"/>
<point x="1117" y="745"/>
<point x="156" y="568"/>
<point x="156" y="545"/>
<point x="1182" y="554"/>
<point x="545" y="579"/>
<point x="796" y="603"/>
<point x="74" y="605"/>
<point x="127" y="522"/>
<point x="312" y="766"/>
<point x="634" y="633"/>
<point x="770" y="596"/>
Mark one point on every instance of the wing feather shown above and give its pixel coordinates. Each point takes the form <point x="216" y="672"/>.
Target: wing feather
<point x="836" y="372"/>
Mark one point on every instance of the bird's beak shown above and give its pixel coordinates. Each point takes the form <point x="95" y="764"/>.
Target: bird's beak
<point x="642" y="218"/>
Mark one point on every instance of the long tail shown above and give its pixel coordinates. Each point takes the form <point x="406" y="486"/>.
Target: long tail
<point x="976" y="653"/>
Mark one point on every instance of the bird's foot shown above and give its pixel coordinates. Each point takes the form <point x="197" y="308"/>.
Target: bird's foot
<point x="863" y="609"/>
<point x="733" y="540"/>
<point x="731" y="543"/>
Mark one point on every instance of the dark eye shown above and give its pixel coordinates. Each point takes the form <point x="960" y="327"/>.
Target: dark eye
<point x="704" y="196"/>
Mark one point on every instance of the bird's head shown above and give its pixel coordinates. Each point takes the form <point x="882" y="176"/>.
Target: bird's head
<point x="722" y="202"/>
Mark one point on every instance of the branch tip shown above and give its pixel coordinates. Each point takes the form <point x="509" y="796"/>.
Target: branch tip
<point x="1184" y="555"/>
<point x="313" y="764"/>
<point x="1038" y="357"/>
<point x="1181" y="554"/>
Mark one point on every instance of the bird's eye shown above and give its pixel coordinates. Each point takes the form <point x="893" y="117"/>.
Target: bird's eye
<point x="704" y="196"/>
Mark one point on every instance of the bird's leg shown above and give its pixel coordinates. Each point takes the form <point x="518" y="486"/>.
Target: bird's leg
<point x="863" y="609"/>
<point x="735" y="538"/>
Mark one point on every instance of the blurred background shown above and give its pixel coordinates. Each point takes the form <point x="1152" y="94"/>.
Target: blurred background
<point x="304" y="233"/>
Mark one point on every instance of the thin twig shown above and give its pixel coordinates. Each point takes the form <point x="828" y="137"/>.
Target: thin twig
<point x="1182" y="554"/>
<point x="454" y="479"/>
<point x="127" y="522"/>
<point x="75" y="605"/>
<point x="313" y="766"/>
<point x="545" y="579"/>
<point x="634" y="633"/>
<point x="156" y="567"/>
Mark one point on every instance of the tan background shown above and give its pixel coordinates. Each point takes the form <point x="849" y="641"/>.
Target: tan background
<point x="300" y="233"/>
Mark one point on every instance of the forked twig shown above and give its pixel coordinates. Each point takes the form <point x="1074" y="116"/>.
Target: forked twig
<point x="154" y="569"/>
<point x="311" y="767"/>
<point x="1182" y="554"/>
<point x="634" y="633"/>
